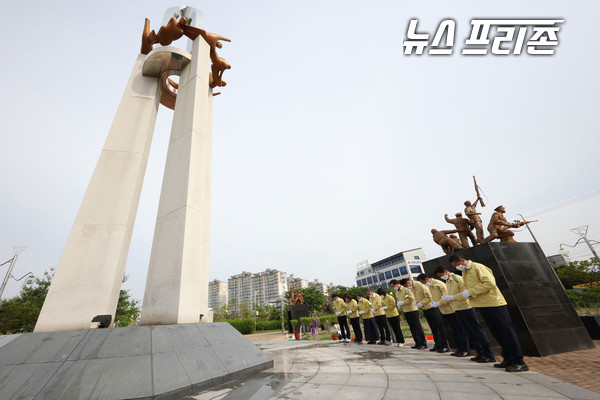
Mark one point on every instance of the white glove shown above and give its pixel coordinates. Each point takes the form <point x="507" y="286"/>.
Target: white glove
<point x="466" y="294"/>
<point x="447" y="297"/>
<point x="373" y="311"/>
<point x="384" y="308"/>
<point x="434" y="304"/>
<point x="348" y="312"/>
<point x="338" y="313"/>
<point x="400" y="303"/>
<point x="419" y="305"/>
<point x="414" y="303"/>
<point x="361" y="312"/>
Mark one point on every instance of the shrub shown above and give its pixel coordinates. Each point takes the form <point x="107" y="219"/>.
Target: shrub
<point x="306" y="323"/>
<point x="268" y="325"/>
<point x="585" y="298"/>
<point x="244" y="326"/>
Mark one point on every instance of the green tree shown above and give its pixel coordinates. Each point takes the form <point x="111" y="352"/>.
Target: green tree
<point x="312" y="297"/>
<point x="128" y="309"/>
<point x="20" y="313"/>
<point x="352" y="291"/>
<point x="578" y="272"/>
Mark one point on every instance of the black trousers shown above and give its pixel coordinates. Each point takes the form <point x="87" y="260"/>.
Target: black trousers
<point x="460" y="335"/>
<point x="500" y="324"/>
<point x="382" y="326"/>
<point x="434" y="319"/>
<point x="355" y="322"/>
<point x="395" y="324"/>
<point x="468" y="322"/>
<point x="416" y="330"/>
<point x="344" y="328"/>
<point x="370" y="329"/>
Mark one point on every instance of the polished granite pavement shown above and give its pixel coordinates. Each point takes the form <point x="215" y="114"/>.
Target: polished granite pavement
<point x="327" y="370"/>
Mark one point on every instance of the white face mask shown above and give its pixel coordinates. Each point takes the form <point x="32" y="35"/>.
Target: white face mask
<point x="445" y="277"/>
<point x="461" y="267"/>
<point x="428" y="284"/>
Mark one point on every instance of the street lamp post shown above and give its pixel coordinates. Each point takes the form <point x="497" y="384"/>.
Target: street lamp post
<point x="582" y="231"/>
<point x="16" y="250"/>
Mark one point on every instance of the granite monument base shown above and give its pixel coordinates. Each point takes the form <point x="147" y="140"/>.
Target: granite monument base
<point x="142" y="362"/>
<point x="542" y="314"/>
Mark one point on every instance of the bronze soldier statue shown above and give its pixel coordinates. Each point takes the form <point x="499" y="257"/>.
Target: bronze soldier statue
<point x="448" y="245"/>
<point x="499" y="227"/>
<point x="474" y="218"/>
<point x="463" y="228"/>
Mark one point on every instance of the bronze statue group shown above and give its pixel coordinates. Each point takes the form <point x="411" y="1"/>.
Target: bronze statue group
<point x="449" y="299"/>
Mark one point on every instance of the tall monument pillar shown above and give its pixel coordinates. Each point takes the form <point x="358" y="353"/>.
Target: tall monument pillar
<point x="89" y="274"/>
<point x="177" y="283"/>
<point x="88" y="278"/>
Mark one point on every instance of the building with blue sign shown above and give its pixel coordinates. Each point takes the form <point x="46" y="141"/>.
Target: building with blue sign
<point x="407" y="264"/>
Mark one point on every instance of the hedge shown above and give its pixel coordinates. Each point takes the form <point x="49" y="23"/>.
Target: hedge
<point x="585" y="298"/>
<point x="244" y="326"/>
<point x="268" y="325"/>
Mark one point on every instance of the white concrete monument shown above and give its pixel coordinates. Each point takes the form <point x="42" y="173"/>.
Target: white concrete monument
<point x="89" y="275"/>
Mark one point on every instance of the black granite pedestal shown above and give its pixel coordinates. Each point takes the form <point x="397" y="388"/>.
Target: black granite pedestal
<point x="542" y="314"/>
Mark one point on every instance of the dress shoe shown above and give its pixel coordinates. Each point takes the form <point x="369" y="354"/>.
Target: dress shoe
<point x="372" y="342"/>
<point x="434" y="348"/>
<point x="517" y="368"/>
<point x="414" y="347"/>
<point x="421" y="347"/>
<point x="462" y="354"/>
<point x="443" y="350"/>
<point x="485" y="360"/>
<point x="454" y="353"/>
<point x="503" y="364"/>
<point x="382" y="342"/>
<point x="477" y="358"/>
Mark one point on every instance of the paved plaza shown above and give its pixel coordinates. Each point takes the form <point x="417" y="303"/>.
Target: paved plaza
<point x="330" y="370"/>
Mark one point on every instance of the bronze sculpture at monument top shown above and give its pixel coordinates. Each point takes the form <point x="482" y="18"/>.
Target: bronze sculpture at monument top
<point x="474" y="219"/>
<point x="448" y="245"/>
<point x="174" y="30"/>
<point x="499" y="227"/>
<point x="463" y="228"/>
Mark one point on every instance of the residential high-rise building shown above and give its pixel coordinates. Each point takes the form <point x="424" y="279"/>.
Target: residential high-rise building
<point x="406" y="264"/>
<point x="320" y="286"/>
<point x="297" y="282"/>
<point x="217" y="294"/>
<point x="265" y="287"/>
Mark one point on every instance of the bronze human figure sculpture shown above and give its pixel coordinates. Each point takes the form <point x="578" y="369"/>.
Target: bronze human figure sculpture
<point x="474" y="219"/>
<point x="499" y="227"/>
<point x="448" y="245"/>
<point x="174" y="30"/>
<point x="463" y="228"/>
<point x="456" y="239"/>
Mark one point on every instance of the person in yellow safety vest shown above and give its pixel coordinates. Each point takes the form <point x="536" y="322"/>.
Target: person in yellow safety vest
<point x="392" y="315"/>
<point x="352" y="314"/>
<point x="339" y="307"/>
<point x="467" y="325"/>
<point x="406" y="300"/>
<point x="364" y="309"/>
<point x="380" y="319"/>
<point x="432" y="314"/>
<point x="438" y="289"/>
<point x="481" y="290"/>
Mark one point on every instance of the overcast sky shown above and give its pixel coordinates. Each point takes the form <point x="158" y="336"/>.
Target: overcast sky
<point x="329" y="145"/>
